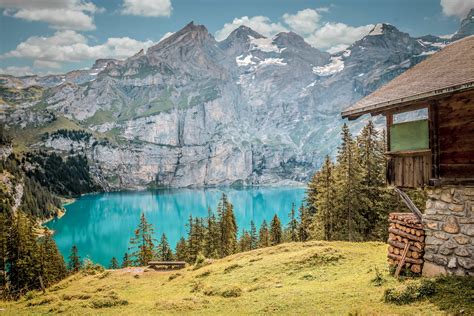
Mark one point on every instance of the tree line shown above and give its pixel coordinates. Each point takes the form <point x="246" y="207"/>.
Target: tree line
<point x="349" y="197"/>
<point x="214" y="236"/>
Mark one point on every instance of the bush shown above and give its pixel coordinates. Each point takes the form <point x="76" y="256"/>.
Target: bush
<point x="232" y="292"/>
<point x="232" y="267"/>
<point x="91" y="268"/>
<point x="107" y="302"/>
<point x="410" y="293"/>
<point x="378" y="280"/>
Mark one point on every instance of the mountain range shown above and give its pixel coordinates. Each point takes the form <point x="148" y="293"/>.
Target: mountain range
<point x="192" y="111"/>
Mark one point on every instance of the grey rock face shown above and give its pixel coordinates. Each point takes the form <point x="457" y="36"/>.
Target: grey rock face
<point x="191" y="111"/>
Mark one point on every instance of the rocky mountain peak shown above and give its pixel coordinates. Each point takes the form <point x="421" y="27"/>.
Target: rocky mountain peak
<point x="289" y="39"/>
<point x="466" y="28"/>
<point x="243" y="32"/>
<point x="189" y="35"/>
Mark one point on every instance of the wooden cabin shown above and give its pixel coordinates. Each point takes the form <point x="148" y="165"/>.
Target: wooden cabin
<point x="429" y="111"/>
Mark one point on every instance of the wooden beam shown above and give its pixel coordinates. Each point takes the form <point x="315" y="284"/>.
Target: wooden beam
<point x="433" y="120"/>
<point x="389" y="119"/>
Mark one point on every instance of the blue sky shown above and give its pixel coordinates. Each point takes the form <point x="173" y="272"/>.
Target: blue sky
<point x="54" y="36"/>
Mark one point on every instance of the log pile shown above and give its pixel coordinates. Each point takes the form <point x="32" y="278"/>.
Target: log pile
<point x="406" y="228"/>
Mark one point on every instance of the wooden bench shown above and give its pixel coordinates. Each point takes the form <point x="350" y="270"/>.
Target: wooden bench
<point x="165" y="265"/>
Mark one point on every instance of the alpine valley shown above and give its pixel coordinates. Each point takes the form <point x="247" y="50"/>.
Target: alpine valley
<point x="192" y="111"/>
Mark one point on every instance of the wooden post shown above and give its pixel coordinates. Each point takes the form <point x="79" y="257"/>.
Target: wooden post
<point x="402" y="261"/>
<point x="42" y="284"/>
<point x="434" y="141"/>
<point x="389" y="119"/>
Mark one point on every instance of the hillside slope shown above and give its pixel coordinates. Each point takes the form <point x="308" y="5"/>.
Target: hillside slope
<point x="298" y="278"/>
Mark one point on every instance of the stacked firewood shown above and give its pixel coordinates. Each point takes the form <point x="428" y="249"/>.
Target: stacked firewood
<point x="406" y="241"/>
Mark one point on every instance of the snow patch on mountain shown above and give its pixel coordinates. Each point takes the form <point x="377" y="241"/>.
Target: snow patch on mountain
<point x="272" y="61"/>
<point x="244" y="61"/>
<point x="336" y="65"/>
<point x="377" y="30"/>
<point x="264" y="44"/>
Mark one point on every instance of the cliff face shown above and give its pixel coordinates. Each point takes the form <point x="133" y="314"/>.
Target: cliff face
<point x="192" y="111"/>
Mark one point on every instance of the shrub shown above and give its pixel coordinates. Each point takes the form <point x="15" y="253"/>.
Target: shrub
<point x="91" y="268"/>
<point x="232" y="292"/>
<point x="410" y="293"/>
<point x="378" y="280"/>
<point x="232" y="267"/>
<point x="107" y="302"/>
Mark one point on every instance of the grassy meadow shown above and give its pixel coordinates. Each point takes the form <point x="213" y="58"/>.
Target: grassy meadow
<point x="293" y="278"/>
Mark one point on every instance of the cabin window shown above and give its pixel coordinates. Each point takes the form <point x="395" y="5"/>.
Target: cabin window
<point x="408" y="136"/>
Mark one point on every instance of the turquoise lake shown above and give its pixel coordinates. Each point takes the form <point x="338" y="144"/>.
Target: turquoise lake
<point x="101" y="225"/>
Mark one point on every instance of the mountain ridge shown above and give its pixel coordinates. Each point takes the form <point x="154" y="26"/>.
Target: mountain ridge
<point x="191" y="111"/>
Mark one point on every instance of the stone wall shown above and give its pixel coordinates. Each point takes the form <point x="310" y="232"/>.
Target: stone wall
<point x="449" y="228"/>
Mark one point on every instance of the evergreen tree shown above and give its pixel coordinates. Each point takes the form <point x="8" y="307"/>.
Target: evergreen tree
<point x="114" y="264"/>
<point x="293" y="225"/>
<point x="23" y="262"/>
<point x="276" y="234"/>
<point x="311" y="193"/>
<point x="164" y="250"/>
<point x="142" y="243"/>
<point x="212" y="236"/>
<point x="181" y="250"/>
<point x="305" y="223"/>
<point x="263" y="235"/>
<point x="245" y="242"/>
<point x="349" y="198"/>
<point x="228" y="227"/>
<point x="74" y="264"/>
<point x="324" y="221"/>
<point x="126" y="261"/>
<point x="371" y="150"/>
<point x="253" y="236"/>
<point x="52" y="265"/>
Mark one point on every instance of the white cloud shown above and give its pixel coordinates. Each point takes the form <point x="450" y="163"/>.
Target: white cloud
<point x="458" y="8"/>
<point x="70" y="46"/>
<point x="332" y="37"/>
<point x="260" y="24"/>
<point x="304" y="22"/>
<point x="147" y="7"/>
<point x="337" y="36"/>
<point x="65" y="14"/>
<point x="17" y="71"/>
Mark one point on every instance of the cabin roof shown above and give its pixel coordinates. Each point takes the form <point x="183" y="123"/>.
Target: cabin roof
<point x="450" y="69"/>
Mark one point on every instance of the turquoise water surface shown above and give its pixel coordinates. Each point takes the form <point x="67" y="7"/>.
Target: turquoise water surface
<point x="101" y="225"/>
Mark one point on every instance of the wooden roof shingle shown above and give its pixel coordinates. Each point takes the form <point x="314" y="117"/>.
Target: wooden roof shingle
<point x="450" y="69"/>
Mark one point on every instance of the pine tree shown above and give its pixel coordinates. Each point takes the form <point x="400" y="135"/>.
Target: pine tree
<point x="74" y="264"/>
<point x="325" y="220"/>
<point x="212" y="236"/>
<point x="53" y="267"/>
<point x="371" y="150"/>
<point x="228" y="227"/>
<point x="181" y="250"/>
<point x="349" y="189"/>
<point x="126" y="261"/>
<point x="263" y="235"/>
<point x="142" y="243"/>
<point x="293" y="225"/>
<point x="164" y="250"/>
<point x="311" y="193"/>
<point x="114" y="264"/>
<point x="253" y="236"/>
<point x="305" y="223"/>
<point x="23" y="262"/>
<point x="276" y="234"/>
<point x="244" y="241"/>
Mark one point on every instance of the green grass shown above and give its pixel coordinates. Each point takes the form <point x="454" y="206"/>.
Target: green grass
<point x="312" y="278"/>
